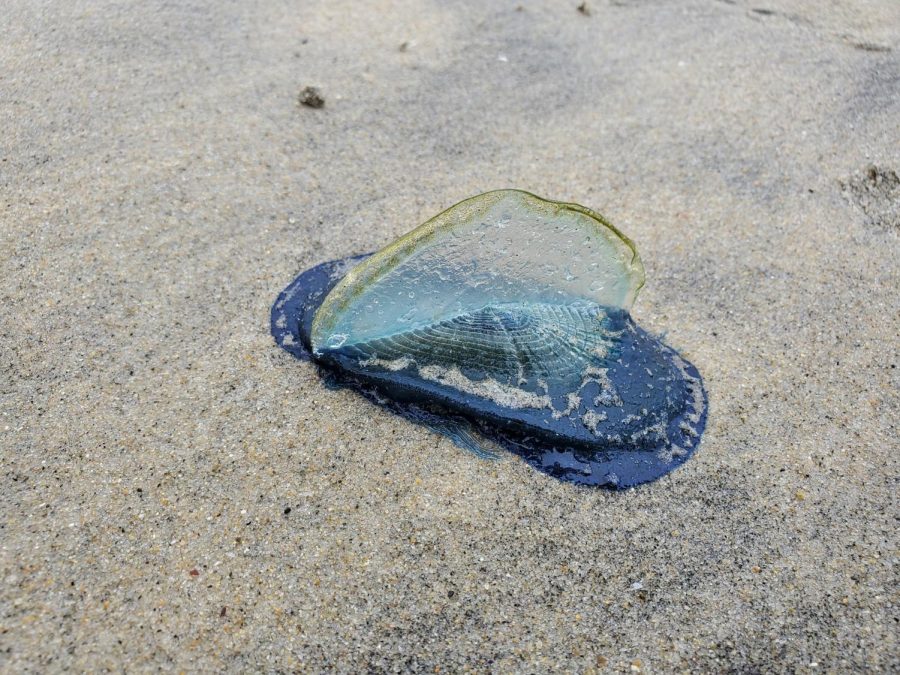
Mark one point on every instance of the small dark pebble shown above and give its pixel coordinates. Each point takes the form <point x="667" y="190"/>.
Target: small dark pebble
<point x="584" y="9"/>
<point x="222" y="613"/>
<point x="450" y="594"/>
<point x="311" y="98"/>
<point x="287" y="510"/>
<point x="194" y="573"/>
<point x="871" y="47"/>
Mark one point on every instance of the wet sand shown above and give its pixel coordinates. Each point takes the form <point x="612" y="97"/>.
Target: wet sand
<point x="179" y="493"/>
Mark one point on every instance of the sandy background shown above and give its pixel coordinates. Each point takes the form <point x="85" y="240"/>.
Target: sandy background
<point x="178" y="493"/>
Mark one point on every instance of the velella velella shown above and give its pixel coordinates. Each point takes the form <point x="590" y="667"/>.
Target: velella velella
<point x="504" y="323"/>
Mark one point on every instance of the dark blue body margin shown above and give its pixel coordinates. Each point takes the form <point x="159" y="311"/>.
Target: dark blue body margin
<point x="613" y="467"/>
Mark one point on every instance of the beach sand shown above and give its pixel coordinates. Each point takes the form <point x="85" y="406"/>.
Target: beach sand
<point x="180" y="494"/>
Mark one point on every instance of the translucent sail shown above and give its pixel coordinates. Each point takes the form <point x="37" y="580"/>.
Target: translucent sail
<point x="505" y="248"/>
